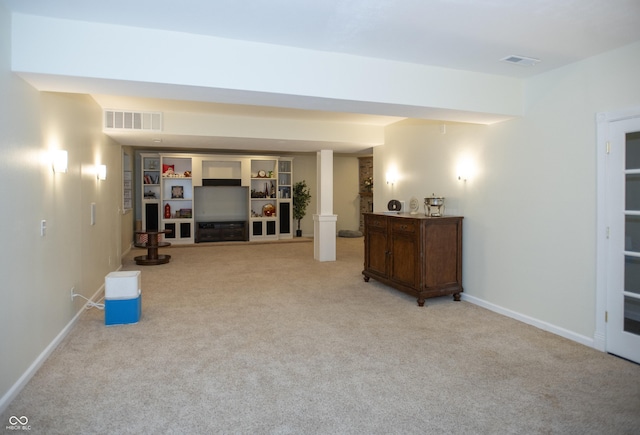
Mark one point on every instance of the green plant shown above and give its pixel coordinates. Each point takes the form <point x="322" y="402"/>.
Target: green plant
<point x="301" y="199"/>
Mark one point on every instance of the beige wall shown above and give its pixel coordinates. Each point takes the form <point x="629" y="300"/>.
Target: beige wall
<point x="38" y="272"/>
<point x="346" y="200"/>
<point x="345" y="190"/>
<point x="529" y="227"/>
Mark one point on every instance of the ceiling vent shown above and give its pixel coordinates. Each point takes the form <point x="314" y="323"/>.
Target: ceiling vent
<point x="128" y="120"/>
<point x="520" y="60"/>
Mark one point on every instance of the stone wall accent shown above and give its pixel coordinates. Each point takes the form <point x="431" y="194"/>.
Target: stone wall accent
<point x="365" y="165"/>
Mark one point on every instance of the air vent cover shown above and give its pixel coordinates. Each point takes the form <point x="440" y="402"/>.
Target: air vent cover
<point x="520" y="60"/>
<point x="129" y="120"/>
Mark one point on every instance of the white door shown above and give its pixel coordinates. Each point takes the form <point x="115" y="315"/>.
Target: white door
<point x="623" y="286"/>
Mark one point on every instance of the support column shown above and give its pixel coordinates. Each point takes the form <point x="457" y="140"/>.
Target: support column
<point x="324" y="223"/>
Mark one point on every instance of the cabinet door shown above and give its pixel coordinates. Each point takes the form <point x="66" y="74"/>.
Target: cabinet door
<point x="284" y="217"/>
<point x="151" y="216"/>
<point x="404" y="248"/>
<point x="376" y="252"/>
<point x="272" y="229"/>
<point x="256" y="228"/>
<point x="442" y="250"/>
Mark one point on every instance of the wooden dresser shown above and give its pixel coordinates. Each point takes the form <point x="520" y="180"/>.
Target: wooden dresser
<point x="416" y="254"/>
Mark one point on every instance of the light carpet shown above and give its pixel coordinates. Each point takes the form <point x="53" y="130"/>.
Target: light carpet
<point x="263" y="339"/>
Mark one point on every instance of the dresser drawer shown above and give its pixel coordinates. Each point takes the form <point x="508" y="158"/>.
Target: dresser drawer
<point x="407" y="226"/>
<point x="376" y="221"/>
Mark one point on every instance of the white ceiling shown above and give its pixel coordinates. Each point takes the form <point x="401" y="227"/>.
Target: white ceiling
<point x="468" y="35"/>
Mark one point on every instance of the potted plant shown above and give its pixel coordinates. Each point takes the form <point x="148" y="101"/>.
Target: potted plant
<point x="301" y="199"/>
<point x="368" y="184"/>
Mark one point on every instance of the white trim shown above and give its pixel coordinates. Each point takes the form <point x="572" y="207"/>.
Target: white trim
<point x="15" y="389"/>
<point x="530" y="320"/>
<point x="603" y="119"/>
<point x="600" y="334"/>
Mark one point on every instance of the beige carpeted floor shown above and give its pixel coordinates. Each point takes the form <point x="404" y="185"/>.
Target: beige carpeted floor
<point x="263" y="339"/>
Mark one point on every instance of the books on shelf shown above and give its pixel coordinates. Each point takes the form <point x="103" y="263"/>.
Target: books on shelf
<point x="151" y="179"/>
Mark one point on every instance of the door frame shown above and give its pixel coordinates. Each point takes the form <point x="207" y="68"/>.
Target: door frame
<point x="603" y="121"/>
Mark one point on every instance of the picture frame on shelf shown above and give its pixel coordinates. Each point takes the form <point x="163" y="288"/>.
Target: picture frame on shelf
<point x="177" y="192"/>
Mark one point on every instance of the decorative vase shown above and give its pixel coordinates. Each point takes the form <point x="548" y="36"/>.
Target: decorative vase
<point x="167" y="211"/>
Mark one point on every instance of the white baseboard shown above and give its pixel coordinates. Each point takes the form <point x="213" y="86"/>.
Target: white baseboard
<point x="127" y="250"/>
<point x="599" y="342"/>
<point x="33" y="368"/>
<point x="531" y="321"/>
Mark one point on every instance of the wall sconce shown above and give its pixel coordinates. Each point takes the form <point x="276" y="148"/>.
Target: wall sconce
<point x="101" y="171"/>
<point x="60" y="160"/>
<point x="391" y="177"/>
<point x="464" y="171"/>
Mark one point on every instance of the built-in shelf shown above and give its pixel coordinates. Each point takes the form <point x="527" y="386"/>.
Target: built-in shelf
<point x="172" y="184"/>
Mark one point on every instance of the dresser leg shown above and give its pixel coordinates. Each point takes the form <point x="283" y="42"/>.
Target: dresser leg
<point x="456" y="297"/>
<point x="366" y="279"/>
<point x="421" y="302"/>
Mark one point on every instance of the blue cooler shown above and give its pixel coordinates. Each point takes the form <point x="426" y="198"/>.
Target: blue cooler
<point x="122" y="298"/>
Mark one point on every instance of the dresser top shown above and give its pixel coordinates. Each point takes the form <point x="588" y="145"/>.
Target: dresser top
<point x="412" y="216"/>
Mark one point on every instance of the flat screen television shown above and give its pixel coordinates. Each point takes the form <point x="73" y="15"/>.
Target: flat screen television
<point x="221" y="203"/>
